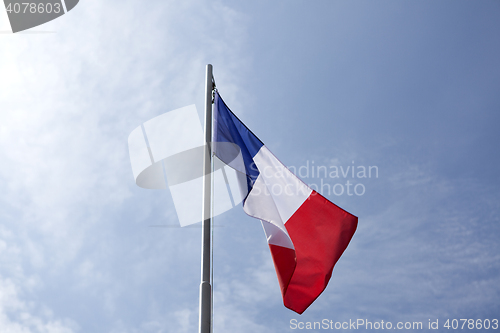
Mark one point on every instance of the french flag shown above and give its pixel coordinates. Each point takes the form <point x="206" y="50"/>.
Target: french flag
<point x="306" y="233"/>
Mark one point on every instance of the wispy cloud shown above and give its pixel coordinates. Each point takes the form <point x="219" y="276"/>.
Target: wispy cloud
<point x="69" y="101"/>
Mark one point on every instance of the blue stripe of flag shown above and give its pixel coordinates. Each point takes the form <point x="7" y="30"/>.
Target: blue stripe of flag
<point x="231" y="129"/>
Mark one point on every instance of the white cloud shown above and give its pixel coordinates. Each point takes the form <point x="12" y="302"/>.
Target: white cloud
<point x="69" y="100"/>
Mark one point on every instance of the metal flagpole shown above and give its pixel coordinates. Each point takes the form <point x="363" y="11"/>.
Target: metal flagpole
<point x="205" y="286"/>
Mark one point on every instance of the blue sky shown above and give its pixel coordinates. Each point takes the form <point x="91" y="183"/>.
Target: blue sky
<point x="408" y="87"/>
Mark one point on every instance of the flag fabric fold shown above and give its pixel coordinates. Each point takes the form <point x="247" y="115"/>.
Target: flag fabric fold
<point x="306" y="233"/>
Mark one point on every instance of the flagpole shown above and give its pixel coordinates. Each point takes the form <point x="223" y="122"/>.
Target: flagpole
<point x="205" y="286"/>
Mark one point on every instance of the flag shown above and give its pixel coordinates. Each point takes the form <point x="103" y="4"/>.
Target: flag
<point x="306" y="233"/>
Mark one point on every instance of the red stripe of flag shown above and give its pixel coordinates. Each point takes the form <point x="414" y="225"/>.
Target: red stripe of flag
<point x="320" y="232"/>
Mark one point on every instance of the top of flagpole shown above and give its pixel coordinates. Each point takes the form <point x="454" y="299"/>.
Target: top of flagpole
<point x="214" y="87"/>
